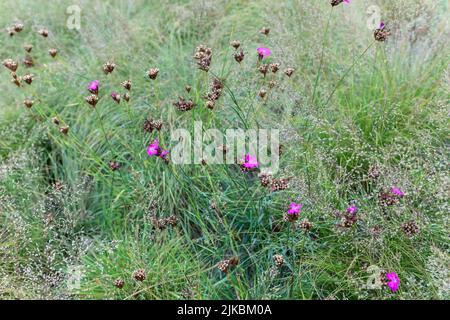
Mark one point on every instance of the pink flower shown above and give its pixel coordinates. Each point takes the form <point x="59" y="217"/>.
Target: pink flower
<point x="153" y="148"/>
<point x="346" y="1"/>
<point x="352" y="209"/>
<point x="263" y="52"/>
<point x="250" y="162"/>
<point x="164" y="153"/>
<point x="294" y="208"/>
<point x="394" y="281"/>
<point x="382" y="25"/>
<point x="396" y="191"/>
<point x="93" y="86"/>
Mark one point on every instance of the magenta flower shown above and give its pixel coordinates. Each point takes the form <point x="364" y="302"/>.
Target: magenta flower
<point x="396" y="191"/>
<point x="382" y="25"/>
<point x="164" y="153"/>
<point x="352" y="209"/>
<point x="250" y="162"/>
<point x="394" y="281"/>
<point x="346" y="1"/>
<point x="153" y="148"/>
<point x="93" y="86"/>
<point x="294" y="208"/>
<point x="263" y="52"/>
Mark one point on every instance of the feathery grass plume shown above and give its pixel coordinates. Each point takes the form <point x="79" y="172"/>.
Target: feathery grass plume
<point x="381" y="33"/>
<point x="28" y="78"/>
<point x="265" y="31"/>
<point x="119" y="283"/>
<point x="139" y="275"/>
<point x="109" y="67"/>
<point x="115" y="96"/>
<point x="239" y="56"/>
<point x="410" y="228"/>
<point x="235" y="44"/>
<point x="43" y="32"/>
<point x="10" y="64"/>
<point x="92" y="100"/>
<point x="183" y="104"/>
<point x="126" y="84"/>
<point x="28" y="47"/>
<point x="289" y="71"/>
<point x="278" y="259"/>
<point x="153" y="73"/>
<point x="28" y="103"/>
<point x="64" y="130"/>
<point x="53" y="52"/>
<point x="203" y="55"/>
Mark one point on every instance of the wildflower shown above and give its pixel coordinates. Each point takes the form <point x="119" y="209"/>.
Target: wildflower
<point x="224" y="265"/>
<point x="119" y="283"/>
<point x="410" y="228"/>
<point x="397" y="192"/>
<point x="393" y="281"/>
<point x="92" y="99"/>
<point x="263" y="52"/>
<point x="188" y="88"/>
<point x="93" y="86"/>
<point x="153" y="149"/>
<point x="274" y="67"/>
<point x="114" y="165"/>
<point x="338" y="2"/>
<point x="28" y="61"/>
<point x="306" y="225"/>
<point x="28" y="47"/>
<point x="381" y="33"/>
<point x="10" y="64"/>
<point x="265" y="179"/>
<point x="28" y="103"/>
<point x="352" y="209"/>
<point x="18" y="27"/>
<point x="28" y="78"/>
<point x="349" y="218"/>
<point x="153" y="73"/>
<point x="203" y="56"/>
<point x="239" y="57"/>
<point x="235" y="44"/>
<point x="279" y="260"/>
<point x="126" y="96"/>
<point x="43" y="32"/>
<point x="109" y="67"/>
<point x="294" y="208"/>
<point x="262" y="93"/>
<point x="289" y="72"/>
<point x="279" y="184"/>
<point x="263" y="69"/>
<point x="52" y="52"/>
<point x="210" y="104"/>
<point x="139" y="275"/>
<point x="64" y="129"/>
<point x="115" y="96"/>
<point x="265" y="31"/>
<point x="250" y="162"/>
<point x="55" y="121"/>
<point x="126" y="84"/>
<point x="184" y="105"/>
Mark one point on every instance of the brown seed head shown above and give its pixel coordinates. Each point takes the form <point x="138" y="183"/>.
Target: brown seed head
<point x="126" y="84"/>
<point x="274" y="67"/>
<point x="126" y="96"/>
<point x="262" y="93"/>
<point x="64" y="129"/>
<point x="239" y="57"/>
<point x="52" y="52"/>
<point x="56" y="121"/>
<point x="235" y="44"/>
<point x="28" y="78"/>
<point x="43" y="32"/>
<point x="139" y="275"/>
<point x="28" y="47"/>
<point x="289" y="72"/>
<point x="109" y="67"/>
<point x="188" y="88"/>
<point x="18" y="27"/>
<point x="265" y="31"/>
<point x="279" y="260"/>
<point x="153" y="73"/>
<point x="119" y="283"/>
<point x="92" y="99"/>
<point x="10" y="64"/>
<point x="28" y="103"/>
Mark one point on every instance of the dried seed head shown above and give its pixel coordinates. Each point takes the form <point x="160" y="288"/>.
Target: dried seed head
<point x="210" y="104"/>
<point x="114" y="165"/>
<point x="203" y="55"/>
<point x="28" y="103"/>
<point x="115" y="96"/>
<point x="126" y="84"/>
<point x="290" y="217"/>
<point x="265" y="179"/>
<point x="374" y="173"/>
<point x="172" y="221"/>
<point x="239" y="57"/>
<point x="279" y="184"/>
<point x="139" y="275"/>
<point x="235" y="44"/>
<point x="262" y="93"/>
<point x="279" y="260"/>
<point x="126" y="96"/>
<point x="387" y="199"/>
<point x="10" y="64"/>
<point x="92" y="99"/>
<point x="52" y="52"/>
<point x="188" y="88"/>
<point x="153" y="73"/>
<point x="381" y="34"/>
<point x="223" y="265"/>
<point x="410" y="228"/>
<point x="43" y="32"/>
<point x="150" y="125"/>
<point x="64" y="129"/>
<point x="28" y="47"/>
<point x="56" y="121"/>
<point x="289" y="72"/>
<point x="274" y="67"/>
<point x="28" y="78"/>
<point x="184" y="105"/>
<point x="265" y="31"/>
<point x="18" y="27"/>
<point x="336" y="2"/>
<point x="264" y="68"/>
<point x="109" y="67"/>
<point x="10" y="31"/>
<point x="272" y="84"/>
<point x="28" y="61"/>
<point x="306" y="225"/>
<point x="119" y="283"/>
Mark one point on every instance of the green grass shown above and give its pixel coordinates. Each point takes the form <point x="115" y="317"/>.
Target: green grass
<point x="352" y="104"/>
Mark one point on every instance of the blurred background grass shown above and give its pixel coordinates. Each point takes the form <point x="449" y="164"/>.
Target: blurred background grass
<point x="388" y="109"/>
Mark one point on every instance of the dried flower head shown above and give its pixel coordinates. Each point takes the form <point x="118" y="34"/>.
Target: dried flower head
<point x="126" y="96"/>
<point x="109" y="67"/>
<point x="203" y="55"/>
<point x="10" y="64"/>
<point x="114" y="165"/>
<point x="272" y="84"/>
<point x="126" y="84"/>
<point x="235" y="44"/>
<point x="289" y="72"/>
<point x="119" y="283"/>
<point x="28" y="47"/>
<point x="278" y="259"/>
<point x="56" y="121"/>
<point x="64" y="129"/>
<point x="410" y="228"/>
<point x="265" y="179"/>
<point x="188" y="88"/>
<point x="53" y="52"/>
<point x="306" y="225"/>
<point x="28" y="103"/>
<point x="264" y="68"/>
<point x="225" y="264"/>
<point x="18" y="27"/>
<point x="115" y="96"/>
<point x="210" y="104"/>
<point x="153" y="73"/>
<point x="28" y="78"/>
<point x="381" y="33"/>
<point x="150" y="125"/>
<point x="239" y="57"/>
<point x="274" y="67"/>
<point x="139" y="275"/>
<point x="43" y="32"/>
<point x="92" y="99"/>
<point x="183" y="104"/>
<point x="262" y="93"/>
<point x="10" y="31"/>
<point x="279" y="184"/>
<point x="265" y="31"/>
<point x="28" y="61"/>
